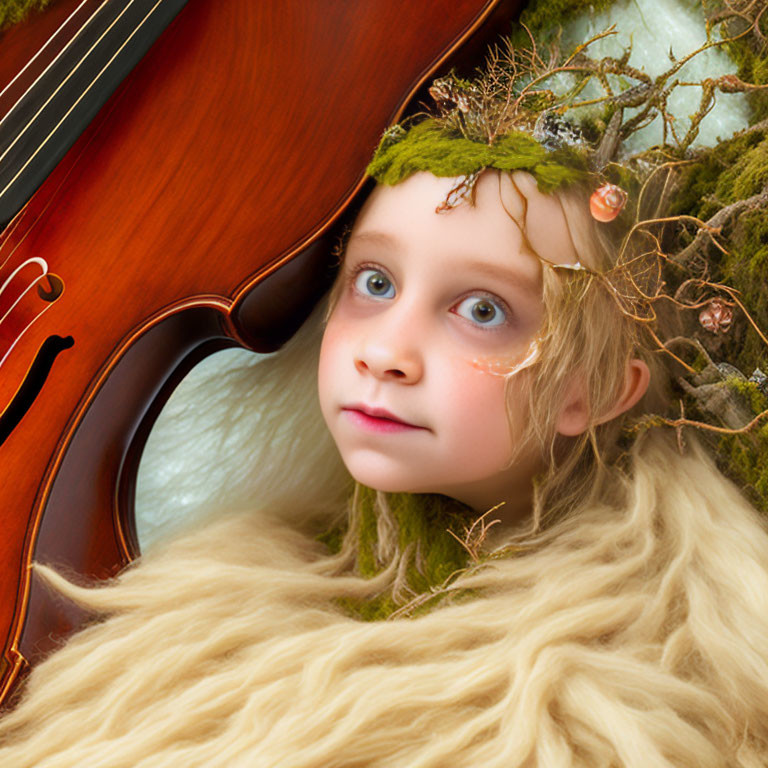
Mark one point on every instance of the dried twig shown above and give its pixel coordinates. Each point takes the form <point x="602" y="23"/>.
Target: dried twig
<point x="475" y="535"/>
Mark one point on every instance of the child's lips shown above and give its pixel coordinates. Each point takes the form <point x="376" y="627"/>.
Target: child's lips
<point x="377" y="419"/>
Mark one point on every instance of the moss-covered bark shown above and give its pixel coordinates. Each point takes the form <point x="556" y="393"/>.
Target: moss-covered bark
<point x="749" y="52"/>
<point x="736" y="170"/>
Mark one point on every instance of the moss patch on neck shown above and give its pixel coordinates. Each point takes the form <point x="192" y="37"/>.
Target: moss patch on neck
<point x="428" y="555"/>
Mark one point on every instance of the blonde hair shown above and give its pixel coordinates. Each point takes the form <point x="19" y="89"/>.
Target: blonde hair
<point x="588" y="334"/>
<point x="631" y="631"/>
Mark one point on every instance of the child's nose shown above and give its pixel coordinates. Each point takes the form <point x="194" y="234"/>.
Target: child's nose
<point x="379" y="362"/>
<point x="391" y="354"/>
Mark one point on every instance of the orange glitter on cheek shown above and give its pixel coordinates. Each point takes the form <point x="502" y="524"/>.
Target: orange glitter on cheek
<point x="495" y="365"/>
<point x="507" y="366"/>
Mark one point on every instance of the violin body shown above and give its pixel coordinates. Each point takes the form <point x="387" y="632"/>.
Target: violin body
<point x="190" y="215"/>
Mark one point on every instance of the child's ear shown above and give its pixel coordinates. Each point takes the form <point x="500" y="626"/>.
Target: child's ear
<point x="574" y="416"/>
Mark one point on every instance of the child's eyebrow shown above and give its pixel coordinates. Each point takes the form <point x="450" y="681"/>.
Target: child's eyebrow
<point x="374" y="237"/>
<point x="509" y="275"/>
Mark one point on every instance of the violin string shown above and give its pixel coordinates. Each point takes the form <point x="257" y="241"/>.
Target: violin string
<point x="17" y="219"/>
<point x="10" y="349"/>
<point x="55" y="59"/>
<point x="42" y="263"/>
<point x="47" y="305"/>
<point x="81" y="96"/>
<point x="7" y="233"/>
<point x="71" y="74"/>
<point x="43" y="73"/>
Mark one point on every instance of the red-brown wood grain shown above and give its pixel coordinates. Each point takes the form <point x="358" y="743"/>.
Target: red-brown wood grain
<point x="232" y="146"/>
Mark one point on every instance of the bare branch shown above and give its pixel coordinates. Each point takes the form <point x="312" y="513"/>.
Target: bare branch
<point x="715" y="225"/>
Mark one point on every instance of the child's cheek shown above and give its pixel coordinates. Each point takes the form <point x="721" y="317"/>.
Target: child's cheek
<point x="333" y="354"/>
<point x="336" y="333"/>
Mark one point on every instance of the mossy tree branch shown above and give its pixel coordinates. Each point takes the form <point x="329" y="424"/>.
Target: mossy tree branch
<point x="716" y="224"/>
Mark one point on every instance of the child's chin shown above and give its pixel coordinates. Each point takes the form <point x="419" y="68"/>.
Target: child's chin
<point x="383" y="478"/>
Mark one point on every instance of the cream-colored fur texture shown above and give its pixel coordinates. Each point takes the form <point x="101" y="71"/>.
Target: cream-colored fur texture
<point x="242" y="430"/>
<point x="634" y="634"/>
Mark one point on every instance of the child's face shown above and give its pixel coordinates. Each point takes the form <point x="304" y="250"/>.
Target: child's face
<point x="434" y="309"/>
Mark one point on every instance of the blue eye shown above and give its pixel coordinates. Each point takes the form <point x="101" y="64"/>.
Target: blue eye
<point x="482" y="311"/>
<point x="372" y="282"/>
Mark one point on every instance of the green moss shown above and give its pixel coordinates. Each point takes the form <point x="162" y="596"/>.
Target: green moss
<point x="758" y="402"/>
<point x="721" y="175"/>
<point x="423" y="522"/>
<point x="746" y="269"/>
<point x="744" y="458"/>
<point x="332" y="539"/>
<point x="753" y="68"/>
<point x="14" y="11"/>
<point x="699" y="363"/>
<point x="748" y="176"/>
<point x="426" y="146"/>
<point x="376" y="609"/>
<point x="729" y="173"/>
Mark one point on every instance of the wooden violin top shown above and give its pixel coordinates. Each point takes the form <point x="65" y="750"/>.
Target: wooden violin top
<point x="188" y="216"/>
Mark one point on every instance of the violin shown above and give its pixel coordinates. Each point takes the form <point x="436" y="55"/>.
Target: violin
<point x="177" y="198"/>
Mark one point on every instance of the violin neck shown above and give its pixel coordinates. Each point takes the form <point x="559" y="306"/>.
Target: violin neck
<point x="65" y="96"/>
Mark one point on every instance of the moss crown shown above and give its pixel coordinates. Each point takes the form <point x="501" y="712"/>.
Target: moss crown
<point x="429" y="146"/>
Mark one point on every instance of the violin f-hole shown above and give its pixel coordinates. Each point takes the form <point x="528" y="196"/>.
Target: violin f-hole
<point x="33" y="382"/>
